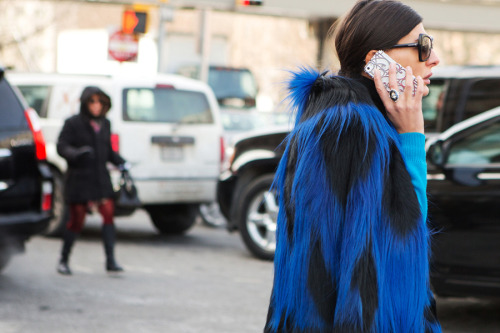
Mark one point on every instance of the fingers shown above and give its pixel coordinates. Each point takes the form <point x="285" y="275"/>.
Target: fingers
<point x="393" y="83"/>
<point x="382" y="91"/>
<point x="409" y="82"/>
<point x="419" y="94"/>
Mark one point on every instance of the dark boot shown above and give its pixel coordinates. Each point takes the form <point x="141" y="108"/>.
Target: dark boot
<point x="69" y="238"/>
<point x="108" y="237"/>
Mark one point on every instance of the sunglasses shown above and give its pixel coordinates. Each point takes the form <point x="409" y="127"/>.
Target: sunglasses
<point x="424" y="46"/>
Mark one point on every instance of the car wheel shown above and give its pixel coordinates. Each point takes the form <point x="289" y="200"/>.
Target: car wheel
<point x="257" y="216"/>
<point x="172" y="219"/>
<point x="211" y="215"/>
<point x="61" y="212"/>
<point x="4" y="259"/>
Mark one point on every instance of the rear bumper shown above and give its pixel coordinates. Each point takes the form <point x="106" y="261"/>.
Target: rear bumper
<point x="23" y="224"/>
<point x="165" y="191"/>
<point x="15" y="229"/>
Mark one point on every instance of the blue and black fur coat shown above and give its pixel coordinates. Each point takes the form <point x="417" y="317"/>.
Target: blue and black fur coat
<point x="352" y="243"/>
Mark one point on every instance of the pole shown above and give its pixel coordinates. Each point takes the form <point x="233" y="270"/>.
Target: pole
<point x="205" y="44"/>
<point x="161" y="37"/>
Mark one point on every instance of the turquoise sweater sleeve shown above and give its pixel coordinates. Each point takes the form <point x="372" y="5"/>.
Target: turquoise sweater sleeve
<point x="413" y="151"/>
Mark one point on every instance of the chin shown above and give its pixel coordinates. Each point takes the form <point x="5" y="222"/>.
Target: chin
<point x="426" y="90"/>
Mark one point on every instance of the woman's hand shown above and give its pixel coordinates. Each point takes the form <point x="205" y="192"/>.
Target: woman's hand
<point x="406" y="113"/>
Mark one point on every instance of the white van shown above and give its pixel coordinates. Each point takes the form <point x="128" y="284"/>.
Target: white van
<point x="166" y="126"/>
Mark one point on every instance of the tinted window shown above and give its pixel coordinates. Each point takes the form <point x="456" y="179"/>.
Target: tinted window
<point x="166" y="105"/>
<point x="483" y="95"/>
<point x="36" y="97"/>
<point x="11" y="110"/>
<point x="432" y="105"/>
<point x="481" y="147"/>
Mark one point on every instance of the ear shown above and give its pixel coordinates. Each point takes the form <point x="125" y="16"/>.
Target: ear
<point x="369" y="55"/>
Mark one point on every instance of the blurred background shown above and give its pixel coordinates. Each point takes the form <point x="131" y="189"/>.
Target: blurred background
<point x="267" y="37"/>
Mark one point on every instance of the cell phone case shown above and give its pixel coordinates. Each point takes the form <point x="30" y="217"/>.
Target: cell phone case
<point x="381" y="61"/>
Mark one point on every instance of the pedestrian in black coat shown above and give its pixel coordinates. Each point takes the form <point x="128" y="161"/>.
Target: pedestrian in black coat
<point x="85" y="143"/>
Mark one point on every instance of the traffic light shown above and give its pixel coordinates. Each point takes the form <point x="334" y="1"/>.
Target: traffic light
<point x="249" y="2"/>
<point x="134" y="22"/>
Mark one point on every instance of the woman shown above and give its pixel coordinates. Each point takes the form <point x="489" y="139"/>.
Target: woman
<point x="352" y="241"/>
<point x="85" y="143"/>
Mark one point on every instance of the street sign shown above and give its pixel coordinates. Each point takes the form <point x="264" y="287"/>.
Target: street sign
<point x="123" y="47"/>
<point x="134" y="21"/>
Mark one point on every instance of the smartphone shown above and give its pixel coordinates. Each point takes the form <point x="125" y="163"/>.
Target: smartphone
<point x="381" y="61"/>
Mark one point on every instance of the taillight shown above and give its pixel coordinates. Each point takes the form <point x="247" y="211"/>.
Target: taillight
<point x="115" y="142"/>
<point x="164" y="86"/>
<point x="47" y="192"/>
<point x="222" y="150"/>
<point x="36" y="129"/>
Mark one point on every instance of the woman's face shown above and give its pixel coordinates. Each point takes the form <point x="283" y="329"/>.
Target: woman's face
<point x="408" y="56"/>
<point x="95" y="106"/>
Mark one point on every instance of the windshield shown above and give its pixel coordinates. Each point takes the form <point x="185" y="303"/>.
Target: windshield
<point x="166" y="105"/>
<point x="231" y="84"/>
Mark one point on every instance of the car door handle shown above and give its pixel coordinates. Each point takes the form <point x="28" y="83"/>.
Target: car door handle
<point x="488" y="176"/>
<point x="437" y="176"/>
<point x="5" y="153"/>
<point x="4" y="186"/>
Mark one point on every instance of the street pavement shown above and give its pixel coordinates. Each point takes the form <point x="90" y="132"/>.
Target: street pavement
<point x="201" y="282"/>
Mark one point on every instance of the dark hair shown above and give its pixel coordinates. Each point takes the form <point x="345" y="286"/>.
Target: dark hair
<point x="87" y="93"/>
<point x="371" y="25"/>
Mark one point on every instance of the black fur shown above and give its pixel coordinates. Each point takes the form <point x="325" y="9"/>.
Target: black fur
<point x="364" y="279"/>
<point x="348" y="160"/>
<point x="327" y="92"/>
<point x="320" y="285"/>
<point x="287" y="191"/>
<point x="398" y="194"/>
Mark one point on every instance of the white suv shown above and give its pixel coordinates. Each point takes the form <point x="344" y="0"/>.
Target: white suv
<point x="166" y="126"/>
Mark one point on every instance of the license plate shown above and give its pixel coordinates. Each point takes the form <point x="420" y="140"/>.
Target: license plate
<point x="172" y="153"/>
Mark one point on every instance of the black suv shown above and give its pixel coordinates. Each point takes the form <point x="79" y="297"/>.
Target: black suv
<point x="25" y="179"/>
<point x="456" y="94"/>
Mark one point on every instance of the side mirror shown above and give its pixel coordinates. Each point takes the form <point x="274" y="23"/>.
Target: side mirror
<point x="436" y="154"/>
<point x="2" y="72"/>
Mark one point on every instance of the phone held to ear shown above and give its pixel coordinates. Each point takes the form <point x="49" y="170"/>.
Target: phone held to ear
<point x="381" y="61"/>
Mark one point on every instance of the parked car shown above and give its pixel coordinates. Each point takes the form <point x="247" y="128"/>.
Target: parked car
<point x="234" y="87"/>
<point x="25" y="178"/>
<point x="237" y="123"/>
<point x="464" y="197"/>
<point x="456" y="94"/>
<point x="168" y="127"/>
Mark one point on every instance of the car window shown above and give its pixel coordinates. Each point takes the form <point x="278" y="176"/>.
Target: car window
<point x="36" y="96"/>
<point x="166" y="105"/>
<point x="483" y="95"/>
<point x="233" y="84"/>
<point x="432" y="105"/>
<point x="11" y="110"/>
<point x="481" y="147"/>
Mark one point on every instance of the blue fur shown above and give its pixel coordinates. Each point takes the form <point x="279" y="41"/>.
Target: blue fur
<point x="401" y="263"/>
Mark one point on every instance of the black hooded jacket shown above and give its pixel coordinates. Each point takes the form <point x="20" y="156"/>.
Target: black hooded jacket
<point x="87" y="152"/>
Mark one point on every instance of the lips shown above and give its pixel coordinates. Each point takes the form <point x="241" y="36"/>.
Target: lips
<point x="427" y="79"/>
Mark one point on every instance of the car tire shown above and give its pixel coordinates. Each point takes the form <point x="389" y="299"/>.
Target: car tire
<point x="211" y="215"/>
<point x="172" y="219"/>
<point x="57" y="224"/>
<point x="257" y="213"/>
